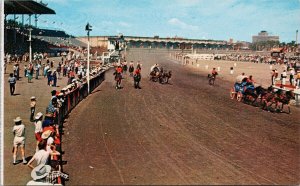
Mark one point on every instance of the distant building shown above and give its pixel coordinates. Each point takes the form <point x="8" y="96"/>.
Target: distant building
<point x="264" y="36"/>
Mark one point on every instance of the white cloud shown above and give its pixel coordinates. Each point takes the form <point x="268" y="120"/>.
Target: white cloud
<point x="178" y="23"/>
<point x="123" y="24"/>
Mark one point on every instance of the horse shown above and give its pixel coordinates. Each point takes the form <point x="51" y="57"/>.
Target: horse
<point x="118" y="79"/>
<point x="211" y="79"/>
<point x="167" y="76"/>
<point x="154" y="76"/>
<point x="249" y="93"/>
<point x="268" y="99"/>
<point x="284" y="99"/>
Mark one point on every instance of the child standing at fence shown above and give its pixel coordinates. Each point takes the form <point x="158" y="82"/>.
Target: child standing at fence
<point x="32" y="107"/>
<point x="19" y="139"/>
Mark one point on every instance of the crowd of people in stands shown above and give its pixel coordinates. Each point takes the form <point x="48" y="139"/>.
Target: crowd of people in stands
<point x="262" y="59"/>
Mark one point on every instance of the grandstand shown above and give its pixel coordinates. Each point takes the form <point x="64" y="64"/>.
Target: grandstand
<point x="43" y="40"/>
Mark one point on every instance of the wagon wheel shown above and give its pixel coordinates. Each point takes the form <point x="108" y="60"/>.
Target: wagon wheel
<point x="239" y="96"/>
<point x="232" y="93"/>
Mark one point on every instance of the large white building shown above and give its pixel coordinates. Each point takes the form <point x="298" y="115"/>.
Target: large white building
<point x="264" y="36"/>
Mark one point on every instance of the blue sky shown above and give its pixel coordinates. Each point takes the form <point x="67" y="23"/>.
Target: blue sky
<point x="198" y="19"/>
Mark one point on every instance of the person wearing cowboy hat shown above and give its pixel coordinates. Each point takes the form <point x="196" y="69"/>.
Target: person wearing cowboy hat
<point x="60" y="99"/>
<point x="19" y="139"/>
<point x="32" y="107"/>
<point x="39" y="175"/>
<point x="49" y="136"/>
<point x="38" y="128"/>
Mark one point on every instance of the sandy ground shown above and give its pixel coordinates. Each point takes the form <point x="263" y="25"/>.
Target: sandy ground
<point x="186" y="132"/>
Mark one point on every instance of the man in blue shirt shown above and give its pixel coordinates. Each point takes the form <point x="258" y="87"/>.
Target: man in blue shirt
<point x="12" y="83"/>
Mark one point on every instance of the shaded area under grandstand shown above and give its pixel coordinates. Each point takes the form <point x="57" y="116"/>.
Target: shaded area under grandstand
<point x="25" y="7"/>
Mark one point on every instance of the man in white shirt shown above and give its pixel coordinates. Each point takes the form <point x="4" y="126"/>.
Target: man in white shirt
<point x="283" y="77"/>
<point x="240" y="78"/>
<point x="41" y="156"/>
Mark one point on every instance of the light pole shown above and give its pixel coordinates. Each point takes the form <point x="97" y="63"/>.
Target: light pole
<point x="30" y="50"/>
<point x="88" y="28"/>
<point x="120" y="42"/>
<point x="296" y="37"/>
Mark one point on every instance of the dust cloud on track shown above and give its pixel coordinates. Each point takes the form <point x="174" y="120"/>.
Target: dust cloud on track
<point x="186" y="132"/>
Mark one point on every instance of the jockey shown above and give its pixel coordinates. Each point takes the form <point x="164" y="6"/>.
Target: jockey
<point x="250" y="80"/>
<point x="119" y="69"/>
<point x="137" y="78"/>
<point x="214" y="73"/>
<point x="241" y="78"/>
<point x="131" y="68"/>
<point x="152" y="68"/>
<point x="118" y="76"/>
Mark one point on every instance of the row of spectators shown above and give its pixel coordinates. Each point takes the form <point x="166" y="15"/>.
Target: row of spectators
<point x="261" y="59"/>
<point x="45" y="163"/>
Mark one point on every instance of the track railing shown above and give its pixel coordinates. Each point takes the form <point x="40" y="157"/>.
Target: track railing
<point x="71" y="100"/>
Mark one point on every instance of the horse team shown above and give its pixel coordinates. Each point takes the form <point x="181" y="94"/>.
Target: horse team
<point x="157" y="74"/>
<point x="270" y="99"/>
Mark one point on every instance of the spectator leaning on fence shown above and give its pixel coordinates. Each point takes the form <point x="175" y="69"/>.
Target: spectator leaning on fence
<point x="32" y="107"/>
<point x="38" y="128"/>
<point x="42" y="155"/>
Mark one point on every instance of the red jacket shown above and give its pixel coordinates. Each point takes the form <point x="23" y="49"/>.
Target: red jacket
<point x="119" y="70"/>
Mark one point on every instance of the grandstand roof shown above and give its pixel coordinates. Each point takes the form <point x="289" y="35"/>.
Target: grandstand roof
<point x="25" y="7"/>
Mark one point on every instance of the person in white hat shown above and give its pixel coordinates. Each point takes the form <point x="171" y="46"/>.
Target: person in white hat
<point x="38" y="128"/>
<point x="39" y="175"/>
<point x="19" y="139"/>
<point x="48" y="135"/>
<point x="32" y="107"/>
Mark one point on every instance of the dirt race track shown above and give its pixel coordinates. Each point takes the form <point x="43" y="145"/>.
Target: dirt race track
<point x="186" y="132"/>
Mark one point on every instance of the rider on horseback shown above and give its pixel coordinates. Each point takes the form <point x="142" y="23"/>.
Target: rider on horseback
<point x="212" y="76"/>
<point x="118" y="76"/>
<point x="137" y="78"/>
<point x="214" y="73"/>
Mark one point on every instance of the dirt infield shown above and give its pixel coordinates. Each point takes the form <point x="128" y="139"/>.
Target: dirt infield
<point x="186" y="132"/>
